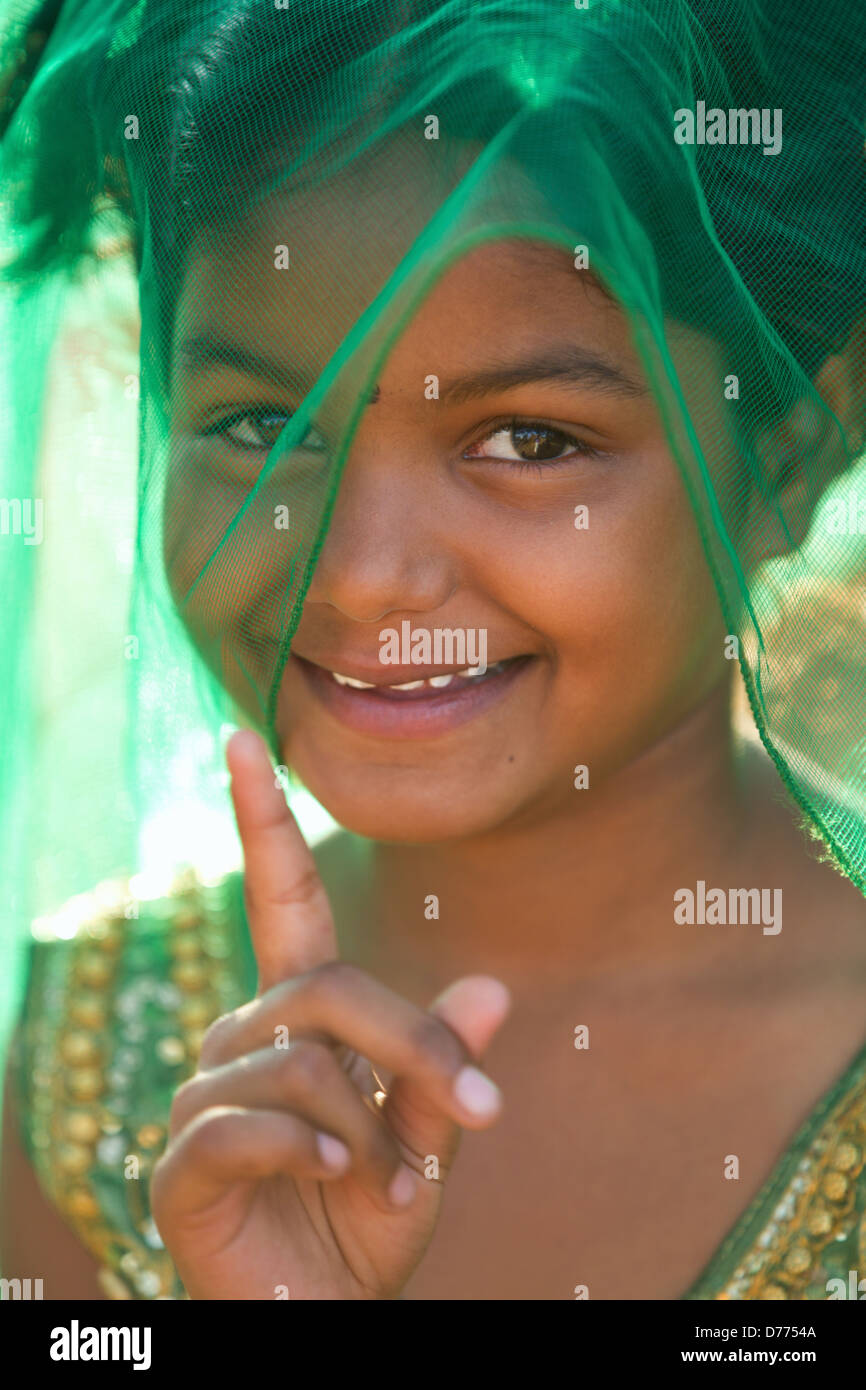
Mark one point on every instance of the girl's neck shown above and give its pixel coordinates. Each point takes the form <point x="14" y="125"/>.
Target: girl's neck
<point x="588" y="891"/>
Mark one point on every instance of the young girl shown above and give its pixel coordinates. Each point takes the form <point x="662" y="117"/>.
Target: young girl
<point x="471" y="468"/>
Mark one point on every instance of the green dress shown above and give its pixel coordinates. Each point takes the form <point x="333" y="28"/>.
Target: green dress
<point x="121" y="992"/>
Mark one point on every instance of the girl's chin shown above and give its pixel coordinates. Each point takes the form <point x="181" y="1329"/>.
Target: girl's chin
<point x="417" y="808"/>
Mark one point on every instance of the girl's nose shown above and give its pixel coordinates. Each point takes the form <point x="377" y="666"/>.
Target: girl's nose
<point x="386" y="549"/>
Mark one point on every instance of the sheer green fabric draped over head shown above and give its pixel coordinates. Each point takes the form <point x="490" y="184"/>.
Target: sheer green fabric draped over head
<point x="188" y="183"/>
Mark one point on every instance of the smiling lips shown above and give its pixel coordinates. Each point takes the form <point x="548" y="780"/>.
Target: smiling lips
<point x="418" y="708"/>
<point x="441" y="681"/>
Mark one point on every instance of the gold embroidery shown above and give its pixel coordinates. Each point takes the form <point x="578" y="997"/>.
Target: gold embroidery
<point x="80" y="1123"/>
<point x="817" y="1209"/>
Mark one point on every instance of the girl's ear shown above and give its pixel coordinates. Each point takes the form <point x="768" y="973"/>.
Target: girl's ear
<point x="803" y="452"/>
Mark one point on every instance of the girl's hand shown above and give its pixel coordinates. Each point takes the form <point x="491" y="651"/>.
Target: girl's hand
<point x="281" y="1178"/>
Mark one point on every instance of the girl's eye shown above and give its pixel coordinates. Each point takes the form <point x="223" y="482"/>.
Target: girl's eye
<point x="260" y="430"/>
<point x="531" y="442"/>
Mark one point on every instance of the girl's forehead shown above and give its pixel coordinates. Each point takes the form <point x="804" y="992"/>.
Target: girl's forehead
<point x="294" y="275"/>
<point x="338" y="235"/>
<point x="298" y="300"/>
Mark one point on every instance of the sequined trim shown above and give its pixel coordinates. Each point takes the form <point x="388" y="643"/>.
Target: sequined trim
<point x="113" y="1021"/>
<point x="816" y="1229"/>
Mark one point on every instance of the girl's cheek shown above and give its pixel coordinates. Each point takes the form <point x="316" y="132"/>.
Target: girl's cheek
<point x="635" y="600"/>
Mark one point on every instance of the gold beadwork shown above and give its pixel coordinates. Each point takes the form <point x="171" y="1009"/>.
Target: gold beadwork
<point x="90" y="1100"/>
<point x="82" y="1204"/>
<point x="194" y="1038"/>
<point x="94" y="969"/>
<point x="185" y="947"/>
<point x="73" y="1158"/>
<point x="195" y="1013"/>
<point x="85" y="1084"/>
<point x="81" y="1126"/>
<point x="107" y="933"/>
<point x="835" y="1186"/>
<point x="88" y="1010"/>
<point x="798" y="1261"/>
<point x="189" y="976"/>
<point x="78" y="1048"/>
<point x="819" y="1222"/>
<point x="150" y="1135"/>
<point x="847" y="1157"/>
<point x="787" y="1258"/>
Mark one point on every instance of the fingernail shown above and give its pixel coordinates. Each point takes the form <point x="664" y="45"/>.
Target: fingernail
<point x="247" y="740"/>
<point x="402" y="1189"/>
<point x="334" y="1154"/>
<point x="477" y="1093"/>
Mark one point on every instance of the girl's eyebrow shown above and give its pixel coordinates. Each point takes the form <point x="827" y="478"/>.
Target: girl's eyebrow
<point x="568" y="365"/>
<point x="208" y="351"/>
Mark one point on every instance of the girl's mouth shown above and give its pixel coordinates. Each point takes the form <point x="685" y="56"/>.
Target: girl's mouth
<point x="422" y="707"/>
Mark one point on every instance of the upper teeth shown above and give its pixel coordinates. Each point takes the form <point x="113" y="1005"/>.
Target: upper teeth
<point x="349" y="680"/>
<point x="437" y="682"/>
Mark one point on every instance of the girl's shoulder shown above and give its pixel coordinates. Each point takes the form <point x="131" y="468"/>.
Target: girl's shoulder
<point x="120" y="991"/>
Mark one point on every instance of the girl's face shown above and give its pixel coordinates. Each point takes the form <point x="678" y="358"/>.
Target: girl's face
<point x="533" y="506"/>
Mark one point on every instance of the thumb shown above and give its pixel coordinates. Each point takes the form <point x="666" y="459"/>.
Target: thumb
<point x="474" y="1008"/>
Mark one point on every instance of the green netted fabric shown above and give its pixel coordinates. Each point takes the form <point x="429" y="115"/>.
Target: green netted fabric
<point x="701" y="160"/>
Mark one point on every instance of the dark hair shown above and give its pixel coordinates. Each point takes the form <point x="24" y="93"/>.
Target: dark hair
<point x="227" y="108"/>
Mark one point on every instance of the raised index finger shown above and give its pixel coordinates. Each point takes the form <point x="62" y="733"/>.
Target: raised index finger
<point x="290" y="919"/>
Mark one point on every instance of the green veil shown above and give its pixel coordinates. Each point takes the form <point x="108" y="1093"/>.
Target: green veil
<point x="703" y="160"/>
